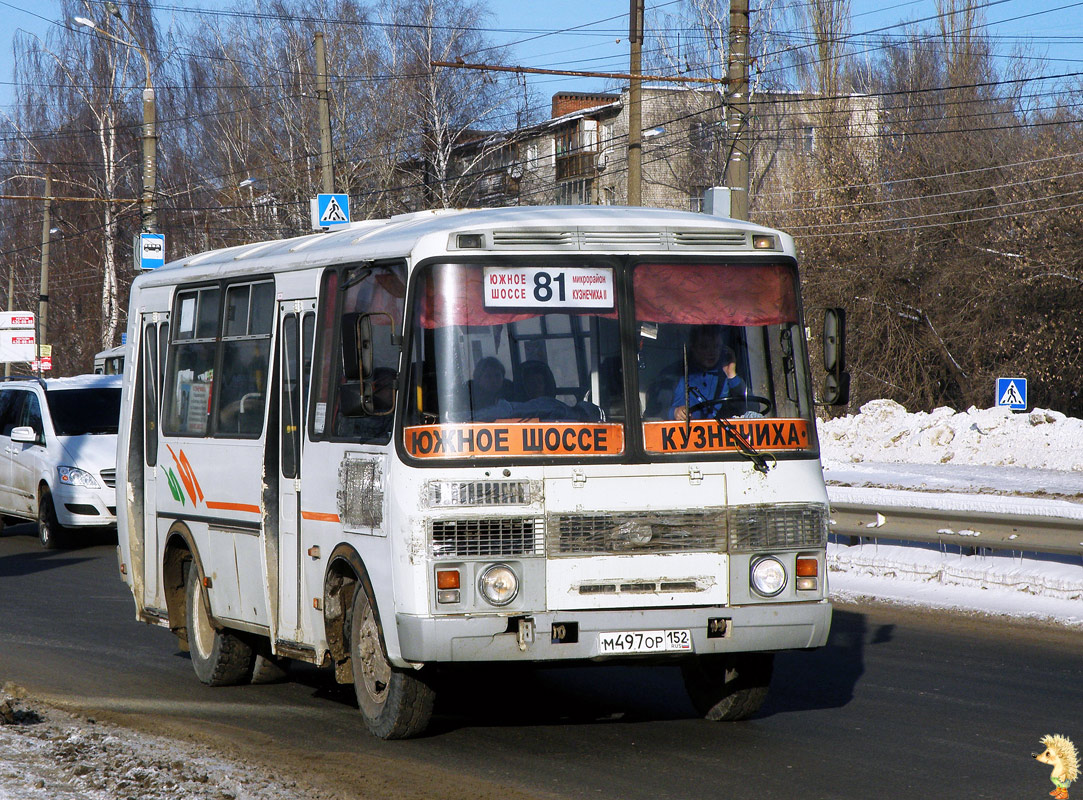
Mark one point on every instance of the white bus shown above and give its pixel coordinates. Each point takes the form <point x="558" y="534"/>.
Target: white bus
<point x="111" y="361"/>
<point x="455" y="437"/>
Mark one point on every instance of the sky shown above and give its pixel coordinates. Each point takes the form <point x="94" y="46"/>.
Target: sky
<point x="571" y="34"/>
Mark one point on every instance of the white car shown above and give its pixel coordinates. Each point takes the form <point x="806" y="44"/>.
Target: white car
<point x="58" y="452"/>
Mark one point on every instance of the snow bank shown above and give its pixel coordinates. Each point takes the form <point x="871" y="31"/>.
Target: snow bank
<point x="976" y="460"/>
<point x="996" y="583"/>
<point x="884" y="431"/>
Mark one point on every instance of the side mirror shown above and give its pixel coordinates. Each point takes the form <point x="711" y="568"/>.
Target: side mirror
<point x="837" y="383"/>
<point x="24" y="434"/>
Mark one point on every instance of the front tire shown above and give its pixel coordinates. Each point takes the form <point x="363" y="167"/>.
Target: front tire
<point x="50" y="534"/>
<point x="219" y="657"/>
<point x="728" y="688"/>
<point x="395" y="703"/>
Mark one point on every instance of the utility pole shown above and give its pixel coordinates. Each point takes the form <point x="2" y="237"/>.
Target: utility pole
<point x="326" y="166"/>
<point x="150" y="160"/>
<point x="635" y="105"/>
<point x="737" y="110"/>
<point x="42" y="319"/>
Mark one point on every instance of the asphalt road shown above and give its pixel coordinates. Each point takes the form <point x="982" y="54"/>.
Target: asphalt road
<point x="898" y="705"/>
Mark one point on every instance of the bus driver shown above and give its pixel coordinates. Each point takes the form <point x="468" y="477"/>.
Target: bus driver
<point x="712" y="374"/>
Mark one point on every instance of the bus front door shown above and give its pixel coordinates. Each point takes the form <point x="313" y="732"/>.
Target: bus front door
<point x="155" y="337"/>
<point x="297" y="324"/>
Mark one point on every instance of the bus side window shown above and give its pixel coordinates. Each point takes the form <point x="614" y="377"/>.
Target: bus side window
<point x="191" y="363"/>
<point x="149" y="365"/>
<point x="246" y="351"/>
<point x="376" y="300"/>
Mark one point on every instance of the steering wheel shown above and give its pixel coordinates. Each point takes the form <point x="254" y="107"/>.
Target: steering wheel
<point x="736" y="406"/>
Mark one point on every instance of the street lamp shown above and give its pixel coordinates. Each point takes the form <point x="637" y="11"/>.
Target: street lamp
<point x="148" y="210"/>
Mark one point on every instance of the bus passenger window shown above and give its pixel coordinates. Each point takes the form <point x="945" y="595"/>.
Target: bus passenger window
<point x="191" y="363"/>
<point x="377" y="295"/>
<point x="246" y="351"/>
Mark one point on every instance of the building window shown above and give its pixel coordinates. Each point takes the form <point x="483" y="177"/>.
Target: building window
<point x="575" y="193"/>
<point x="806" y="139"/>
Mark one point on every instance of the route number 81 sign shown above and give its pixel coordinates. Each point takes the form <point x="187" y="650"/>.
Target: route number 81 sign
<point x="539" y="288"/>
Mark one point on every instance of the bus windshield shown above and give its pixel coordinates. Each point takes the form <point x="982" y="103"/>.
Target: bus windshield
<point x="526" y="359"/>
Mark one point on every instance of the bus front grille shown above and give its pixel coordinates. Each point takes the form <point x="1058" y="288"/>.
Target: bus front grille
<point x="481" y="537"/>
<point x="737" y="529"/>
<point x="637" y="532"/>
<point x="777" y="526"/>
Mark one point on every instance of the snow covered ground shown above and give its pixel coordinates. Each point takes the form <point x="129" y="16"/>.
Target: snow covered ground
<point x="988" y="458"/>
<point x="46" y="754"/>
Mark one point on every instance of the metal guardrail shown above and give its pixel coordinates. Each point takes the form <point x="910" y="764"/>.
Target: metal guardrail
<point x="1006" y="530"/>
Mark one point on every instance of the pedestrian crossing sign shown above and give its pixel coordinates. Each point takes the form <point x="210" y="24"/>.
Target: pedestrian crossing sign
<point x="1012" y="393"/>
<point x="330" y="210"/>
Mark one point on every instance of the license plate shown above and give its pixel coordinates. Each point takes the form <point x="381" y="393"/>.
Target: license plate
<point x="629" y="642"/>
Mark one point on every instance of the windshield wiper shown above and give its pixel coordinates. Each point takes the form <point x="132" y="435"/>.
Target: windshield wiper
<point x="744" y="447"/>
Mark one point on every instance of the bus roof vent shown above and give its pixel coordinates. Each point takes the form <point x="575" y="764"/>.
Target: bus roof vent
<point x="531" y="238"/>
<point x="601" y="239"/>
<point x="709" y="238"/>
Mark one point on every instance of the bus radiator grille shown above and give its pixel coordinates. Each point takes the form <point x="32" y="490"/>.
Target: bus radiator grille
<point x="737" y="529"/>
<point x="637" y="532"/>
<point x="481" y="537"/>
<point x="777" y="526"/>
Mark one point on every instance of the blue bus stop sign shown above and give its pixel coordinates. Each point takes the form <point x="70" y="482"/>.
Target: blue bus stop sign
<point x="150" y="250"/>
<point x="1012" y="393"/>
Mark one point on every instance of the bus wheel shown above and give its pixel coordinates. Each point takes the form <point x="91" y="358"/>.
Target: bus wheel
<point x="50" y="534"/>
<point x="219" y="657"/>
<point x="395" y="703"/>
<point x="728" y="688"/>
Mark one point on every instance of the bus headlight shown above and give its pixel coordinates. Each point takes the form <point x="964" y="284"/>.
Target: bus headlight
<point x="498" y="584"/>
<point x="768" y="576"/>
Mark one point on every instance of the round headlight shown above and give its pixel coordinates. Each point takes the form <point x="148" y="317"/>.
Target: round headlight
<point x="768" y="576"/>
<point x="498" y="584"/>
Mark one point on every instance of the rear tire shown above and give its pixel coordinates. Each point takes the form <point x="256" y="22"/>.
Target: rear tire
<point x="728" y="688"/>
<point x="50" y="534"/>
<point x="219" y="657"/>
<point x="395" y="703"/>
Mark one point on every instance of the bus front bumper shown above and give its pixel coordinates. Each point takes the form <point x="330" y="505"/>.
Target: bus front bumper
<point x="782" y="626"/>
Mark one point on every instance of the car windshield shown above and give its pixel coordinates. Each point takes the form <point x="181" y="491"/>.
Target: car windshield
<point x="76" y="412"/>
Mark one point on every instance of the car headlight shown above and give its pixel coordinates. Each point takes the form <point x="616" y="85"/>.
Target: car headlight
<point x="768" y="576"/>
<point x="498" y="584"/>
<point x="73" y="476"/>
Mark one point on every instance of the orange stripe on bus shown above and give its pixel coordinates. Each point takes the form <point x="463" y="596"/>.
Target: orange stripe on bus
<point x="233" y="507"/>
<point x="319" y="516"/>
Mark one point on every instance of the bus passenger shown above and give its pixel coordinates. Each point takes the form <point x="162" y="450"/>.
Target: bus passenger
<point x="712" y="374"/>
<point x="488" y="384"/>
<point x="536" y="380"/>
